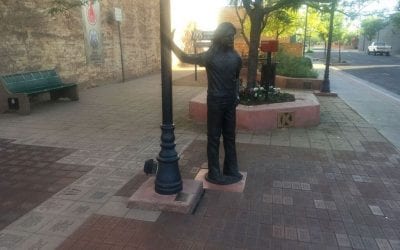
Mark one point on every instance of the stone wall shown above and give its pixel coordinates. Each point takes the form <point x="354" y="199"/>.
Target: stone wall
<point x="31" y="39"/>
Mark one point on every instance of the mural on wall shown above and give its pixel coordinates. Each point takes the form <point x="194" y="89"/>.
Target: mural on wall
<point x="92" y="27"/>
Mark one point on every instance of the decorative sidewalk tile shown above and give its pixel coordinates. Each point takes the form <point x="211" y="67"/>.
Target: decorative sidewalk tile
<point x="54" y="206"/>
<point x="98" y="195"/>
<point x="114" y="208"/>
<point x="42" y="242"/>
<point x="144" y="215"/>
<point x="376" y="210"/>
<point x="71" y="192"/>
<point x="31" y="222"/>
<point x="10" y="239"/>
<point x="87" y="181"/>
<point x="62" y="226"/>
<point x="112" y="183"/>
<point x="82" y="209"/>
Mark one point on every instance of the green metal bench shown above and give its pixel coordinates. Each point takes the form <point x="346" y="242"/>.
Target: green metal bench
<point x="16" y="89"/>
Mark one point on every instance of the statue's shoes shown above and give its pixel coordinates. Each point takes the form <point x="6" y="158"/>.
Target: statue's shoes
<point x="223" y="179"/>
<point x="237" y="174"/>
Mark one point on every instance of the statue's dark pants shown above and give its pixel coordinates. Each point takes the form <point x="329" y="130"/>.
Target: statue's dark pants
<point x="221" y="119"/>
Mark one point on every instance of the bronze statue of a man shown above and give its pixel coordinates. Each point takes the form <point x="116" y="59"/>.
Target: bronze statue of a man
<point x="223" y="66"/>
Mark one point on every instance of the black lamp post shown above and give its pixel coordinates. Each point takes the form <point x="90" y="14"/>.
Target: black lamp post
<point x="325" y="88"/>
<point x="168" y="178"/>
<point x="305" y="32"/>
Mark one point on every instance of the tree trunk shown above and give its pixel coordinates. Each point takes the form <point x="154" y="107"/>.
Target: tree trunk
<point x="255" y="34"/>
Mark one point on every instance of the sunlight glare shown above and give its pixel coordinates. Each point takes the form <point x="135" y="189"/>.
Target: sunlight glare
<point x="203" y="13"/>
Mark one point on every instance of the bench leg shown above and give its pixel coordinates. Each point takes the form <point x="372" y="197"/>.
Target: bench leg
<point x="3" y="104"/>
<point x="24" y="104"/>
<point x="55" y="94"/>
<point x="71" y="93"/>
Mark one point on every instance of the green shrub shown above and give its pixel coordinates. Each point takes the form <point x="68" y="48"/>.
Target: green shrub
<point x="294" y="66"/>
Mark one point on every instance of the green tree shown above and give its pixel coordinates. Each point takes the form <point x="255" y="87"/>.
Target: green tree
<point x="371" y="26"/>
<point x="282" y="22"/>
<point x="339" y="32"/>
<point x="259" y="12"/>
<point x="395" y="18"/>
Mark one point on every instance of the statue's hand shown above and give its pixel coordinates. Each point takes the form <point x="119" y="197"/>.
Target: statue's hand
<point x="237" y="101"/>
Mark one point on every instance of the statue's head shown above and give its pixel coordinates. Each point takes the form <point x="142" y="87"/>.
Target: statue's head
<point x="225" y="34"/>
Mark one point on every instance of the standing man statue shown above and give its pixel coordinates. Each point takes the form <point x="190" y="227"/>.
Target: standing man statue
<point x="223" y="66"/>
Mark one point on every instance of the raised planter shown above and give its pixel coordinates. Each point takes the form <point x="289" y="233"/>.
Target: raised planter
<point x="297" y="83"/>
<point x="304" y="112"/>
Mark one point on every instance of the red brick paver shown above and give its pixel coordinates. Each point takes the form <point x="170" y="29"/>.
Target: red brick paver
<point x="30" y="175"/>
<point x="294" y="199"/>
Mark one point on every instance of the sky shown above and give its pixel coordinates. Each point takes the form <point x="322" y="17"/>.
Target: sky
<point x="203" y="12"/>
<point x="382" y="4"/>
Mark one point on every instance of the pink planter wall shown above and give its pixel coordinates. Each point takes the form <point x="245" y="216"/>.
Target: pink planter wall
<point x="305" y="112"/>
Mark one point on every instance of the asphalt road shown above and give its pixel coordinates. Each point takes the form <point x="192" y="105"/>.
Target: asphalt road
<point x="380" y="70"/>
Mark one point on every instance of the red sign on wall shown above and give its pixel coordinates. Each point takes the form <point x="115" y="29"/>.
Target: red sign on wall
<point x="269" y="46"/>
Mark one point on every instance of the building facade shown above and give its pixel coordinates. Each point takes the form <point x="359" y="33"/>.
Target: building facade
<point x="31" y="39"/>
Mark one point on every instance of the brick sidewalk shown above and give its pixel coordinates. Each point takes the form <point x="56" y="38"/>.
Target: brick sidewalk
<point x="334" y="186"/>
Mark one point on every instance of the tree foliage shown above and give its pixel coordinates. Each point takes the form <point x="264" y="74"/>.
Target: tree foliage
<point x="371" y="26"/>
<point x="259" y="12"/>
<point x="62" y="6"/>
<point x="395" y="18"/>
<point x="281" y="23"/>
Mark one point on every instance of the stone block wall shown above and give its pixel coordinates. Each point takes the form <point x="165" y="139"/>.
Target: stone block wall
<point x="31" y="39"/>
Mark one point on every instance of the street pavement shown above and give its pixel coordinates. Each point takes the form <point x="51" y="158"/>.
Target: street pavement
<point x="68" y="169"/>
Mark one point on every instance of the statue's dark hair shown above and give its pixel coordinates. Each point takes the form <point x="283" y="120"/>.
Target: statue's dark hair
<point x="222" y="30"/>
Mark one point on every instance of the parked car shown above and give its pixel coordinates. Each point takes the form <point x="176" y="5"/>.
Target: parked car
<point x="379" y="48"/>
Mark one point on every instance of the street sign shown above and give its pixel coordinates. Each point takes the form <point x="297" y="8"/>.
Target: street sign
<point x="198" y="35"/>
<point x="118" y="14"/>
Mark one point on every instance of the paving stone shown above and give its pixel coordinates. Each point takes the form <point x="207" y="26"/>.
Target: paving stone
<point x="303" y="235"/>
<point x="343" y="240"/>
<point x="287" y="201"/>
<point x="376" y="210"/>
<point x="318" y="198"/>
<point x="278" y="231"/>
<point x="306" y="186"/>
<point x="54" y="206"/>
<point x="82" y="209"/>
<point x="356" y="242"/>
<point x="277" y="199"/>
<point x="383" y="244"/>
<point x="44" y="242"/>
<point x="290" y="233"/>
<point x="267" y="198"/>
<point x="320" y="204"/>
<point x="277" y="184"/>
<point x="62" y="226"/>
<point x="370" y="243"/>
<point x="111" y="208"/>
<point x="31" y="222"/>
<point x="10" y="239"/>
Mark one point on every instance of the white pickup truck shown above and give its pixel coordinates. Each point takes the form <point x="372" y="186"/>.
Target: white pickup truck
<point x="379" y="48"/>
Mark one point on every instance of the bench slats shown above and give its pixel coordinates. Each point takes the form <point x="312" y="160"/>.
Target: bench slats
<point x="34" y="82"/>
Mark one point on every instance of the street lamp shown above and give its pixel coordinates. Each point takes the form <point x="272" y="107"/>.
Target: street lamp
<point x="325" y="88"/>
<point x="305" y="32"/>
<point x="168" y="178"/>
